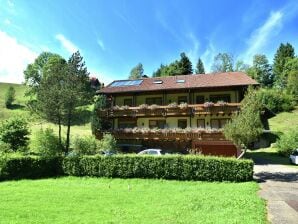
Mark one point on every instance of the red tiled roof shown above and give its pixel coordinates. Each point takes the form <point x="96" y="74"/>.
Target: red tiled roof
<point x="191" y="82"/>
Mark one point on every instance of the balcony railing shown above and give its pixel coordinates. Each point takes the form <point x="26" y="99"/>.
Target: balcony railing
<point x="165" y="134"/>
<point x="158" y="111"/>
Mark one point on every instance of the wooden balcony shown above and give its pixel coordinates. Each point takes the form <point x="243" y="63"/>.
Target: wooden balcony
<point x="166" y="111"/>
<point x="165" y="135"/>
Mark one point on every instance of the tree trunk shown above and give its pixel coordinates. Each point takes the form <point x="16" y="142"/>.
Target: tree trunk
<point x="59" y="131"/>
<point x="68" y="132"/>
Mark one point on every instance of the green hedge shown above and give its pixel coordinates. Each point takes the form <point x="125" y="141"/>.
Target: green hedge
<point x="30" y="167"/>
<point x="163" y="167"/>
<point x="129" y="166"/>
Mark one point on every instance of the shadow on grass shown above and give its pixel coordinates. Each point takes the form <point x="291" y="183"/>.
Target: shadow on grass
<point x="16" y="107"/>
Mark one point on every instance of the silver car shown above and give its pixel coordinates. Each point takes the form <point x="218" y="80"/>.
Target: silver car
<point x="154" y="152"/>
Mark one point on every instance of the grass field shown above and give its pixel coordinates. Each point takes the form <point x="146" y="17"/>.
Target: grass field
<point x="96" y="200"/>
<point x="285" y="121"/>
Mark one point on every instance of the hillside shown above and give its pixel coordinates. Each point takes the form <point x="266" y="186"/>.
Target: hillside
<point x="19" y="109"/>
<point x="285" y="121"/>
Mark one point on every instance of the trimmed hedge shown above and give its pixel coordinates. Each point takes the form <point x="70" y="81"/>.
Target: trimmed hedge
<point x="129" y="166"/>
<point x="30" y="167"/>
<point x="164" y="167"/>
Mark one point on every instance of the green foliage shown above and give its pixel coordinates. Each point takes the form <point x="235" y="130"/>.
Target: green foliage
<point x="97" y="123"/>
<point x="86" y="145"/>
<point x="4" y="147"/>
<point x="137" y="72"/>
<point x="284" y="53"/>
<point x="223" y="62"/>
<point x="290" y="75"/>
<point x="164" y="167"/>
<point x="20" y="167"/>
<point x="200" y="67"/>
<point x="108" y="143"/>
<point x="288" y="143"/>
<point x="275" y="100"/>
<point x="14" y="131"/>
<point x="262" y="71"/>
<point x="240" y="66"/>
<point x="10" y="96"/>
<point x="46" y="143"/>
<point x="246" y="127"/>
<point x="178" y="67"/>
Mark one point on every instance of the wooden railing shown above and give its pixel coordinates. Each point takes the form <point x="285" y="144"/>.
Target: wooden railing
<point x="160" y="135"/>
<point x="158" y="111"/>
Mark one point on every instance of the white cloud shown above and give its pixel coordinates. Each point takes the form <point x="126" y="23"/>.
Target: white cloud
<point x="193" y="53"/>
<point x="66" y="44"/>
<point x="208" y="56"/>
<point x="101" y="44"/>
<point x="259" y="37"/>
<point x="14" y="59"/>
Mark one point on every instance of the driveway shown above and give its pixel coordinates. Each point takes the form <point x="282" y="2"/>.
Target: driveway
<point x="279" y="186"/>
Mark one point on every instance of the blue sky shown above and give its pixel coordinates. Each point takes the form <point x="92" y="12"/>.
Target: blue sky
<point x="113" y="36"/>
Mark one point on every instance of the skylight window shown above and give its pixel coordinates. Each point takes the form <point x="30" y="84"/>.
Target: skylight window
<point x="180" y="81"/>
<point x="127" y="83"/>
<point x="157" y="81"/>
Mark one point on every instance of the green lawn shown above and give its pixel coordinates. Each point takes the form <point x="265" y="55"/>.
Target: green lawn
<point x="285" y="121"/>
<point x="97" y="200"/>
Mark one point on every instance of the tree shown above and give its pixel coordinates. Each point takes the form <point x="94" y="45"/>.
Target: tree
<point x="290" y="74"/>
<point x="200" y="67"/>
<point x="262" y="71"/>
<point x="246" y="126"/>
<point x="77" y="90"/>
<point x="184" y="65"/>
<point x="284" y="53"/>
<point x="136" y="72"/>
<point x="14" y="131"/>
<point x="240" y="66"/>
<point x="9" y="96"/>
<point x="223" y="62"/>
<point x="97" y="123"/>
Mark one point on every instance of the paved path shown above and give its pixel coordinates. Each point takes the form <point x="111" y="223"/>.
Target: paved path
<point x="279" y="186"/>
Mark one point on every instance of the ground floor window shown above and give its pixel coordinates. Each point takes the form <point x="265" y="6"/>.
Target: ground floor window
<point x="218" y="123"/>
<point x="157" y="124"/>
<point x="182" y="123"/>
<point x="201" y="123"/>
<point x="224" y="98"/>
<point x="127" y="123"/>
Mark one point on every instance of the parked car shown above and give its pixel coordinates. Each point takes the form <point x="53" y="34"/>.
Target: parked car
<point x="155" y="152"/>
<point x="294" y="157"/>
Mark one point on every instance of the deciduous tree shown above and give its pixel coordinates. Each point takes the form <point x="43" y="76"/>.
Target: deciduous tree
<point x="223" y="62"/>
<point x="136" y="72"/>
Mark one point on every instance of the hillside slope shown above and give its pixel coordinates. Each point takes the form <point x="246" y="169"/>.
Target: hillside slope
<point x="285" y="121"/>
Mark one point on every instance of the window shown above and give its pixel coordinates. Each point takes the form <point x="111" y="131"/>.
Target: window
<point x="157" y="81"/>
<point x="200" y="99"/>
<point x="224" y="97"/>
<point x="182" y="123"/>
<point x="126" y="83"/>
<point x="154" y="100"/>
<point x="180" y="81"/>
<point x="201" y="123"/>
<point x="218" y="123"/>
<point x="127" y="123"/>
<point x="127" y="102"/>
<point x="182" y="99"/>
<point x="157" y="124"/>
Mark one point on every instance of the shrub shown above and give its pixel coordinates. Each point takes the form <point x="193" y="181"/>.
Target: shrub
<point x="4" y="147"/>
<point x="84" y="145"/>
<point x="287" y="143"/>
<point x="276" y="100"/>
<point x="14" y="132"/>
<point x="108" y="143"/>
<point x="9" y="96"/>
<point x="19" y="167"/>
<point x="164" y="167"/>
<point x="46" y="143"/>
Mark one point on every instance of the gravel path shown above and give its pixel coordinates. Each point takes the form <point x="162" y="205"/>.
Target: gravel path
<point x="279" y="186"/>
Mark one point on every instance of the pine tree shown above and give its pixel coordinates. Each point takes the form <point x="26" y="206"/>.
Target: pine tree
<point x="200" y="67"/>
<point x="184" y="66"/>
<point x="284" y="53"/>
<point x="10" y="97"/>
<point x="262" y="70"/>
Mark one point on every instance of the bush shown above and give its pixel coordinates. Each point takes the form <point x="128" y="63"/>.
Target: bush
<point x="4" y="147"/>
<point x="164" y="167"/>
<point x="85" y="145"/>
<point x="20" y="167"/>
<point x="9" y="96"/>
<point x="108" y="143"/>
<point x="46" y="143"/>
<point x="276" y="100"/>
<point x="287" y="143"/>
<point x="14" y="132"/>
